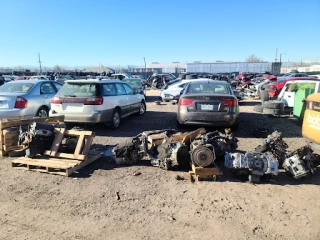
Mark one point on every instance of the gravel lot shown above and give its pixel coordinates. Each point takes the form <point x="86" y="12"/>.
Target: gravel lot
<point x="154" y="205"/>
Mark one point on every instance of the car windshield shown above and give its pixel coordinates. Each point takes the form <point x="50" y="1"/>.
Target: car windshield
<point x="133" y="82"/>
<point x="78" y="90"/>
<point x="18" y="87"/>
<point x="208" y="88"/>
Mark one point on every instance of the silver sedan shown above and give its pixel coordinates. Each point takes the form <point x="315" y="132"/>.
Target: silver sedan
<point x="26" y="99"/>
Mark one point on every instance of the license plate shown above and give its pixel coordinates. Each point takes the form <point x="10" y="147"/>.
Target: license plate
<point x="3" y="104"/>
<point x="206" y="107"/>
<point x="73" y="107"/>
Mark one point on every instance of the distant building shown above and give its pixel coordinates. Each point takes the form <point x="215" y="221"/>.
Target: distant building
<point x="227" y="67"/>
<point x="312" y="68"/>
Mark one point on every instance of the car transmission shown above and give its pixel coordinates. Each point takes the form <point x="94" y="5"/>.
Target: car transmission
<point x="299" y="162"/>
<point x="37" y="138"/>
<point x="201" y="153"/>
<point x="171" y="155"/>
<point x="254" y="164"/>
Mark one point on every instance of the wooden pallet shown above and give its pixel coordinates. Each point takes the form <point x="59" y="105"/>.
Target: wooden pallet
<point x="9" y="131"/>
<point x="204" y="173"/>
<point x="85" y="139"/>
<point x="58" y="166"/>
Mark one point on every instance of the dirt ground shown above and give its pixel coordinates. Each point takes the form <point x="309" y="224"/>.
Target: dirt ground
<point x="154" y="205"/>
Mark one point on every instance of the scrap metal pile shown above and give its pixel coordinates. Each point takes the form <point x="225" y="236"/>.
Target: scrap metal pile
<point x="169" y="149"/>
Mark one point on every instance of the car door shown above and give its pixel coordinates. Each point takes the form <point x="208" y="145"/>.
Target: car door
<point x="288" y="96"/>
<point x="133" y="98"/>
<point x="47" y="91"/>
<point x="123" y="99"/>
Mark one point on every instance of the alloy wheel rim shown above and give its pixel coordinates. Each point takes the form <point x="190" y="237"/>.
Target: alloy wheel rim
<point x="142" y="108"/>
<point x="43" y="113"/>
<point x="116" y="119"/>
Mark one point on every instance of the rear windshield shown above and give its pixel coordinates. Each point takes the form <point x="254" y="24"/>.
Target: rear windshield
<point x="78" y="90"/>
<point x="133" y="83"/>
<point x="208" y="88"/>
<point x="18" y="87"/>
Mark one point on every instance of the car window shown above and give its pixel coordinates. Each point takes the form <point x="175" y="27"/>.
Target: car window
<point x="208" y="88"/>
<point x="78" y="90"/>
<point x="22" y="87"/>
<point x="109" y="90"/>
<point x="128" y="89"/>
<point x="57" y="85"/>
<point x="47" y="88"/>
<point x="120" y="89"/>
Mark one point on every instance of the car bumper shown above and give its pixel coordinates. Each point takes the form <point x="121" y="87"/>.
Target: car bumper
<point x="96" y="117"/>
<point x="16" y="113"/>
<point x="204" y="118"/>
<point x="168" y="97"/>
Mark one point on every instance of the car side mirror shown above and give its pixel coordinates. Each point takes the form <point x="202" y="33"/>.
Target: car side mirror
<point x="135" y="91"/>
<point x="181" y="92"/>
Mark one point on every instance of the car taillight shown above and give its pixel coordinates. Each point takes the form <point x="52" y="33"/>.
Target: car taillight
<point x="185" y="102"/>
<point x="55" y="100"/>
<point x="230" y="102"/>
<point x="94" y="101"/>
<point x="21" y="103"/>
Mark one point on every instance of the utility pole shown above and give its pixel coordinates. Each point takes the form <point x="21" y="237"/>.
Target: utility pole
<point x="39" y="63"/>
<point x="145" y="68"/>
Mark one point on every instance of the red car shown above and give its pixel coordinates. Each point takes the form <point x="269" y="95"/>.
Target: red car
<point x="276" y="87"/>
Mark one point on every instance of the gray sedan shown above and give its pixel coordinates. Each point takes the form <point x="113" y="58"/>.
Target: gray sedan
<point x="208" y="102"/>
<point x="26" y="99"/>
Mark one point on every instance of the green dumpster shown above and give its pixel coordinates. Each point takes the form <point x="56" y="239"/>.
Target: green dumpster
<point x="302" y="91"/>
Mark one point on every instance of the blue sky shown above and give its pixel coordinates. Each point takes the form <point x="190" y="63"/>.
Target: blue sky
<point x="122" y="32"/>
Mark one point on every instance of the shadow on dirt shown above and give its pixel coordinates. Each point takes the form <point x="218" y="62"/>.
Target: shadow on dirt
<point x="107" y="163"/>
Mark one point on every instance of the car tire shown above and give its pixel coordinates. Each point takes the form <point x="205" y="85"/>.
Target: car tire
<point x="258" y="108"/>
<point x="264" y="96"/>
<point x="116" y="119"/>
<point x="271" y="111"/>
<point x="273" y="104"/>
<point x="142" y="108"/>
<point x="42" y="112"/>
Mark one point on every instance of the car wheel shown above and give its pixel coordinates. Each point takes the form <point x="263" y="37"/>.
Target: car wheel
<point x="142" y="109"/>
<point x="116" y="119"/>
<point x="43" y="112"/>
<point x="264" y="96"/>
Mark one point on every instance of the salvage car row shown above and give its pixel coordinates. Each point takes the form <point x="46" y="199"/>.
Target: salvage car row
<point x="203" y="102"/>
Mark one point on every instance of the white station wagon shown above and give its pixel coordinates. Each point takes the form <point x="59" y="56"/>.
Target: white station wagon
<point x="97" y="101"/>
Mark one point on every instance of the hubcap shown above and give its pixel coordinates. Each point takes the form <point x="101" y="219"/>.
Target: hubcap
<point x="116" y="119"/>
<point x="142" y="108"/>
<point x="43" y="113"/>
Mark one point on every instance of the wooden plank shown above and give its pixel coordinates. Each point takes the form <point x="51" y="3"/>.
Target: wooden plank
<point x="77" y="133"/>
<point x="84" y="163"/>
<point x="69" y="155"/>
<point x="79" y="146"/>
<point x="56" y="166"/>
<point x="9" y="148"/>
<point x="43" y="163"/>
<point x="17" y="122"/>
<point x="206" y="171"/>
<point x="59" y="132"/>
<point x="10" y="133"/>
<point x="89" y="140"/>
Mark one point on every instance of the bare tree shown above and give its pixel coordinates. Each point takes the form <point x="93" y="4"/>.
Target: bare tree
<point x="57" y="68"/>
<point x="253" y="58"/>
